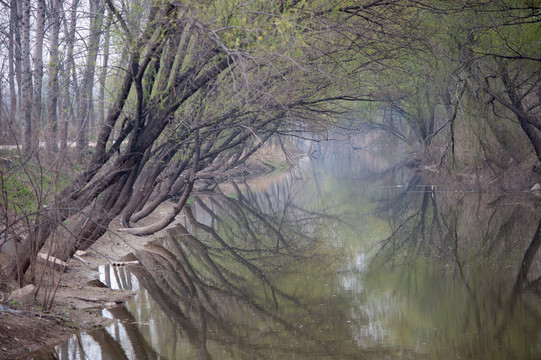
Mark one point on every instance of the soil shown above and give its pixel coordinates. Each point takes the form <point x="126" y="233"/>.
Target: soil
<point x="79" y="297"/>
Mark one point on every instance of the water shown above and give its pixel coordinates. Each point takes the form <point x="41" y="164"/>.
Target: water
<point x="353" y="257"/>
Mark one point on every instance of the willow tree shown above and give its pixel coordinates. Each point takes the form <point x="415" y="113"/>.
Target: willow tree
<point x="201" y="87"/>
<point x="487" y="56"/>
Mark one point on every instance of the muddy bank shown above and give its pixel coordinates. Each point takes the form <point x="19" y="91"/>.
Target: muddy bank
<point x="25" y="329"/>
<point x="78" y="301"/>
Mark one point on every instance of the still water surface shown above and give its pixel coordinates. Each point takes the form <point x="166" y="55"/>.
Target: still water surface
<point x="349" y="257"/>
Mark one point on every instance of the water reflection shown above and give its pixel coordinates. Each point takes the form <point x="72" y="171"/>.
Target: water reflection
<point x="462" y="268"/>
<point x="351" y="257"/>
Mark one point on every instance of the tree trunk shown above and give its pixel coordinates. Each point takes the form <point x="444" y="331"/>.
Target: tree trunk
<point x="38" y="72"/>
<point x="85" y="99"/>
<point x="16" y="14"/>
<point x="26" y="80"/>
<point x="65" y="107"/>
<point x="12" y="46"/>
<point x="52" y="94"/>
<point x="533" y="134"/>
<point x="68" y="76"/>
<point x="105" y="63"/>
<point x="431" y="104"/>
<point x="3" y="115"/>
<point x="529" y="122"/>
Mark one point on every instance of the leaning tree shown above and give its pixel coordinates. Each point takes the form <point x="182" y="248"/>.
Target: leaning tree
<point x="199" y="88"/>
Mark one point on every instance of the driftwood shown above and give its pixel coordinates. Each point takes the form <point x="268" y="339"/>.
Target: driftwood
<point x="57" y="263"/>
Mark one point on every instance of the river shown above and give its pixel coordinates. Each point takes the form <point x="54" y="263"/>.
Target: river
<point x="351" y="256"/>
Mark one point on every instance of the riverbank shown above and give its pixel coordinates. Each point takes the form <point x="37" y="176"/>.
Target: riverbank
<point x="79" y="297"/>
<point x="484" y="177"/>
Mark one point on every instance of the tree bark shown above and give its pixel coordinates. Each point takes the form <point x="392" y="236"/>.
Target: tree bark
<point x="103" y="74"/>
<point x="69" y="78"/>
<point x="38" y="72"/>
<point x="26" y="79"/>
<point x="16" y="14"/>
<point x="85" y="99"/>
<point x="51" y="131"/>
<point x="12" y="46"/>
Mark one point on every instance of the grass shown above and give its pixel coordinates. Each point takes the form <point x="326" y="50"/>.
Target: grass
<point x="27" y="185"/>
<point x="276" y="166"/>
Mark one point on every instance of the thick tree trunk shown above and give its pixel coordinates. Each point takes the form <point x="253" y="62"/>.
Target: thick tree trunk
<point x="85" y="99"/>
<point x="95" y="223"/>
<point x="69" y="78"/>
<point x="167" y="219"/>
<point x="146" y="184"/>
<point x="533" y="134"/>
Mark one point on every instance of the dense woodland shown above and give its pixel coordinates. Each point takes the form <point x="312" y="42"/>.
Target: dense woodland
<point x="110" y="108"/>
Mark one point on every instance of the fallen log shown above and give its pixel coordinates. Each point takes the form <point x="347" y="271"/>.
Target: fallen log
<point x="48" y="259"/>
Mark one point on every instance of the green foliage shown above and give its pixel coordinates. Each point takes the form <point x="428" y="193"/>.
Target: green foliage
<point x="451" y="47"/>
<point x="29" y="186"/>
<point x="275" y="166"/>
<point x="20" y="197"/>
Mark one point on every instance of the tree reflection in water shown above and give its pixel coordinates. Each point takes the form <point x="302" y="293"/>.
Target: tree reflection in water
<point x="273" y="275"/>
<point x="464" y="270"/>
<point x="224" y="285"/>
<point x="243" y="276"/>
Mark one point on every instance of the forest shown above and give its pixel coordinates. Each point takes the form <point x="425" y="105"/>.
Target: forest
<point x="110" y="108"/>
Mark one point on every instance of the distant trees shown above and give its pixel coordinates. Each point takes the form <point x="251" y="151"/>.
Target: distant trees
<point x="459" y="79"/>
